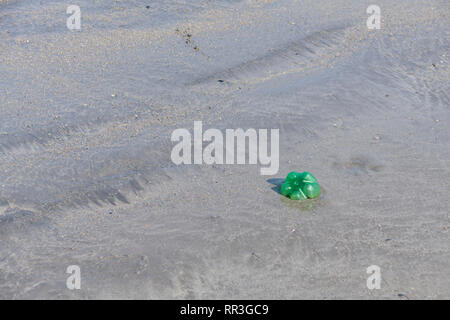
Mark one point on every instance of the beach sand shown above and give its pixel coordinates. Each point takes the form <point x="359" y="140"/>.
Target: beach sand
<point x="86" y="176"/>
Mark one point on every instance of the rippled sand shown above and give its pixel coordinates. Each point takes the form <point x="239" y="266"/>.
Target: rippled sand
<point x="86" y="176"/>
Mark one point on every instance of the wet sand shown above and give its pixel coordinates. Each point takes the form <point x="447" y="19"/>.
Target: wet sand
<point x="86" y="176"/>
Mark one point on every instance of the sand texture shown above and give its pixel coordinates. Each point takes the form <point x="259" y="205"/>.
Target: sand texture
<point x="86" y="176"/>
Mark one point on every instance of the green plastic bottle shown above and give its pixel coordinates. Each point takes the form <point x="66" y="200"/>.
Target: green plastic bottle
<point x="300" y="186"/>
